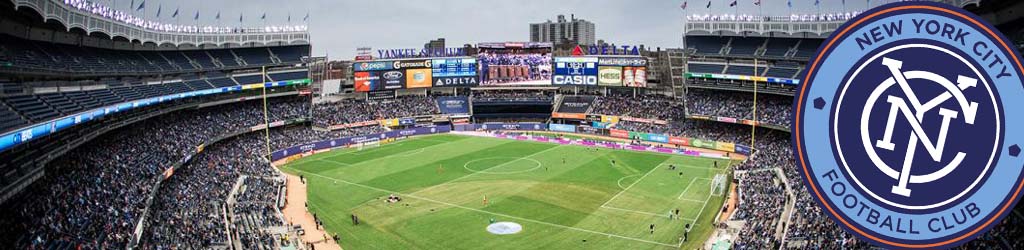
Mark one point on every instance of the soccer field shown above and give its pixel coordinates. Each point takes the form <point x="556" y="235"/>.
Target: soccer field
<point x="582" y="203"/>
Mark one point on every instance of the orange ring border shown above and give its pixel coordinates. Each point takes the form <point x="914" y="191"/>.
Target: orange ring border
<point x="798" y="136"/>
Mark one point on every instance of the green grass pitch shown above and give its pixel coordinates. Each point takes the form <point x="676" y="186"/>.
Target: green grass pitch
<point x="583" y="203"/>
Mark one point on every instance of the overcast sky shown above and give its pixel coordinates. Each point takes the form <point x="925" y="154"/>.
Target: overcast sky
<point x="339" y="26"/>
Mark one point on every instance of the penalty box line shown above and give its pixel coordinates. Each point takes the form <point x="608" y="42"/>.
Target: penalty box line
<point x="488" y="212"/>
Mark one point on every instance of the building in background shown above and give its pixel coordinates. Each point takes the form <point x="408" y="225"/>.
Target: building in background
<point x="434" y="44"/>
<point x="573" y="31"/>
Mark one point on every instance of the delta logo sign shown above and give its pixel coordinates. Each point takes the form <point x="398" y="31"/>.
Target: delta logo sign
<point x="905" y="129"/>
<point x="605" y="50"/>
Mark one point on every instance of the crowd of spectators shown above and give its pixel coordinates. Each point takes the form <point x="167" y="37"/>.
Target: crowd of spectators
<point x="762" y="197"/>
<point x="351" y="111"/>
<point x="92" y="197"/>
<point x="191" y="209"/>
<point x="771" y="109"/>
<point x="644" y="106"/>
<point x="513" y="95"/>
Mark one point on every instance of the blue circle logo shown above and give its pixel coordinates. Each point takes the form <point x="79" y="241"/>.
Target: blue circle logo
<point x="904" y="130"/>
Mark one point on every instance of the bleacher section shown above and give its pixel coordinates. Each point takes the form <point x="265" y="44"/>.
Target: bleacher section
<point x="42" y="107"/>
<point x="706" y="68"/>
<point x="750" y="46"/>
<point x="288" y="75"/>
<point x="706" y="44"/>
<point x="34" y="56"/>
<point x="745" y="46"/>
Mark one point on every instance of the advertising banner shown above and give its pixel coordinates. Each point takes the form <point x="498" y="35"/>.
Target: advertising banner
<point x="575" y="71"/>
<point x="726" y="119"/>
<point x="703" y="144"/>
<point x="743" y="149"/>
<point x="609" y="76"/>
<point x="367" y="81"/>
<point x="418" y="78"/>
<point x="453" y="104"/>
<point x="353" y="125"/>
<point x="623" y="61"/>
<point x="609" y="119"/>
<point x="513" y="126"/>
<point x="599" y="124"/>
<point x="575" y="104"/>
<point x="392" y="79"/>
<point x="617" y="133"/>
<point x="725" y="146"/>
<point x="568" y="116"/>
<point x="681" y="141"/>
<point x="372" y="66"/>
<point x="634" y="77"/>
<point x="447" y="72"/>
<point x="407" y="121"/>
<point x="327" y="144"/>
<point x="562" y="127"/>
<point x="380" y="95"/>
<point x="656" y="137"/>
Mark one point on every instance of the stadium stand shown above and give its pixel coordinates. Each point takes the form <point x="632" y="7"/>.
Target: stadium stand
<point x="351" y="111"/>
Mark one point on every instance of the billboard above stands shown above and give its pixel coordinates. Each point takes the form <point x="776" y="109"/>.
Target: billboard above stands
<point x="372" y="66"/>
<point x="609" y="76"/>
<point x="367" y="81"/>
<point x="418" y="78"/>
<point x="448" y="72"/>
<point x="634" y="77"/>
<point x="453" y="104"/>
<point x="623" y="61"/>
<point x="514" y="63"/>
<point x="575" y="71"/>
<point x="392" y="79"/>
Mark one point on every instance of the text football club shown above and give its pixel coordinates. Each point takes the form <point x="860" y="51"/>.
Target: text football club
<point x="903" y="126"/>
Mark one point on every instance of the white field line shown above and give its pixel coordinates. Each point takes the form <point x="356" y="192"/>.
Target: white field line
<point x="333" y="161"/>
<point x="325" y="158"/>
<point x="619" y="182"/>
<point x="634" y="211"/>
<point x="687" y="188"/>
<point x="491" y="213"/>
<point x="631" y="185"/>
<point x="474" y="173"/>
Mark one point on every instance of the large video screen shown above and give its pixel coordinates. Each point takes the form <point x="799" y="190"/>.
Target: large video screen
<point x="514" y="63"/>
<point x="414" y="73"/>
<point x="575" y="71"/>
<point x="448" y="72"/>
<point x="600" y="71"/>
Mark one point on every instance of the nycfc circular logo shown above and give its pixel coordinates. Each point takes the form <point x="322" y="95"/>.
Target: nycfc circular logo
<point x="905" y="130"/>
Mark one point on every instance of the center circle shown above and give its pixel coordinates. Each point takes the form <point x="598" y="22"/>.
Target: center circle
<point x="513" y="165"/>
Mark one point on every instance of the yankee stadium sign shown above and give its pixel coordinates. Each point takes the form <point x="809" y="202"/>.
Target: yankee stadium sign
<point x="905" y="130"/>
<point x="420" y="53"/>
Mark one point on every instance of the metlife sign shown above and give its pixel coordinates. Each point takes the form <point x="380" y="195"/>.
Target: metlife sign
<point x="575" y="71"/>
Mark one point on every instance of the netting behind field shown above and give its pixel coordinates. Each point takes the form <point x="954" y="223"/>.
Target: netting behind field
<point x="718" y="185"/>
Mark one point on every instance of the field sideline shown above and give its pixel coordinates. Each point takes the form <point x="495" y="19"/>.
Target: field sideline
<point x="585" y="202"/>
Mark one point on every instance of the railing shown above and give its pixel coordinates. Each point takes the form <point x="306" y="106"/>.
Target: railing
<point x="73" y="17"/>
